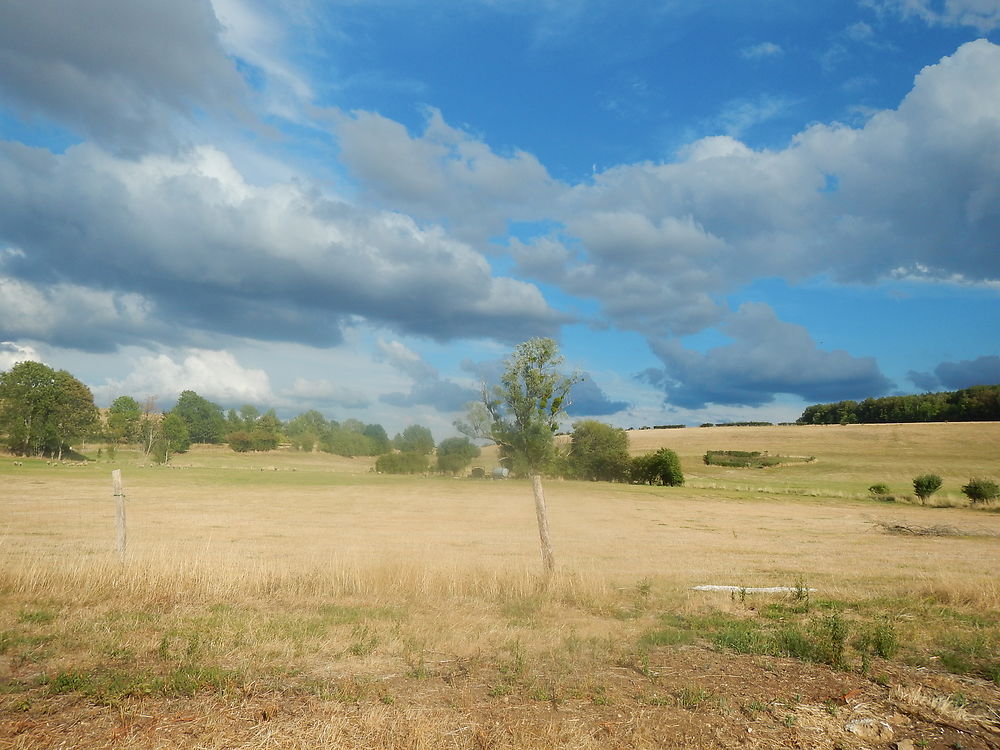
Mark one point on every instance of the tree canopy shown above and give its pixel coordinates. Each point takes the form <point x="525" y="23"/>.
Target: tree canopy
<point x="599" y="452"/>
<point x="455" y="453"/>
<point x="414" y="439"/>
<point x="43" y="411"/>
<point x="204" y="420"/>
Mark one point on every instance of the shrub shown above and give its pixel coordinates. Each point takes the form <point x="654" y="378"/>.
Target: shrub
<point x="409" y="462"/>
<point x="662" y="467"/>
<point x="926" y="485"/>
<point x="880" y="492"/>
<point x="981" y="490"/>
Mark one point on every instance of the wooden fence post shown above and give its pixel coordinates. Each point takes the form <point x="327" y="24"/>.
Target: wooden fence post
<point x="120" y="532"/>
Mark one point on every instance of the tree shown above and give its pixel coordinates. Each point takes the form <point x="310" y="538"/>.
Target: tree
<point x="171" y="436"/>
<point x="523" y="414"/>
<point x="123" y="419"/>
<point x="599" y="452"/>
<point x="455" y="453"/>
<point x="204" y="420"/>
<point x="44" y="410"/>
<point x="926" y="485"/>
<point x="380" y="440"/>
<point x="661" y="467"/>
<point x="415" y="439"/>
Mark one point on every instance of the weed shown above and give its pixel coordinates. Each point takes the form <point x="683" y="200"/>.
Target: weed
<point x="691" y="698"/>
<point x="365" y="643"/>
<point x="36" y="617"/>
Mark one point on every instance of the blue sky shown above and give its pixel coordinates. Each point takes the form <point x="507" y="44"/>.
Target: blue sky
<point x="722" y="210"/>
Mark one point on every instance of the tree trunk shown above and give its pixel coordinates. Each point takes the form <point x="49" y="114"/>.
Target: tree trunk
<point x="548" y="559"/>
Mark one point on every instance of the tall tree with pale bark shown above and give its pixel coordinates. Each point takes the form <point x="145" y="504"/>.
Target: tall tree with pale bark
<point x="521" y="415"/>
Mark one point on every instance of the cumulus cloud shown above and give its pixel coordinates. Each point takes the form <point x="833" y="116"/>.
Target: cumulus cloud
<point x="11" y="353"/>
<point x="766" y="357"/>
<point x="215" y="375"/>
<point x="444" y="173"/>
<point x="190" y="236"/>
<point x="957" y="375"/>
<point x="658" y="244"/>
<point x="74" y="316"/>
<point x="588" y="400"/>
<point x="88" y="66"/>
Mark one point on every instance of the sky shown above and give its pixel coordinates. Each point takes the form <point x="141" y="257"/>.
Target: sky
<point x="722" y="210"/>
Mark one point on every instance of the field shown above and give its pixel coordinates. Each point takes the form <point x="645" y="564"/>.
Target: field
<point x="289" y="600"/>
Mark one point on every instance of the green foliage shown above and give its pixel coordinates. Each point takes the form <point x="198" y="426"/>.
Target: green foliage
<point x="204" y="420"/>
<point x="662" y="467"/>
<point x="455" y="453"/>
<point x="750" y="459"/>
<point x="415" y="439"/>
<point x="254" y="431"/>
<point x="123" y="420"/>
<point x="521" y="415"/>
<point x="980" y="403"/>
<point x="926" y="485"/>
<point x="43" y="410"/>
<point x="881" y="492"/>
<point x="402" y="463"/>
<point x="599" y="452"/>
<point x="981" y="490"/>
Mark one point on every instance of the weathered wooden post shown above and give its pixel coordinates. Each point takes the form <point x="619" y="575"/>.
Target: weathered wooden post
<point x="120" y="532"/>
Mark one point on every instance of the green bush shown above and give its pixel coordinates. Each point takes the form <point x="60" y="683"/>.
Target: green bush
<point x="880" y="492"/>
<point x="926" y="485"/>
<point x="409" y="462"/>
<point x="981" y="490"/>
<point x="662" y="467"/>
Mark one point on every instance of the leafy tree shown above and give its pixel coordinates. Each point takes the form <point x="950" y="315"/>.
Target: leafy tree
<point x="455" y="453"/>
<point x="171" y="437"/>
<point x="204" y="420"/>
<point x="124" y="416"/>
<point x="415" y="439"/>
<point x="256" y="431"/>
<point x="926" y="485"/>
<point x="380" y="440"/>
<point x="523" y="414"/>
<point x="44" y="410"/>
<point x="307" y="429"/>
<point x="662" y="467"/>
<point x="599" y="452"/>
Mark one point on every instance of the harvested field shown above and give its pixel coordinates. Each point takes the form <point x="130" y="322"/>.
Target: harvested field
<point x="290" y="600"/>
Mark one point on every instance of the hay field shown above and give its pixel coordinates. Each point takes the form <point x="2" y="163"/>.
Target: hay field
<point x="290" y="600"/>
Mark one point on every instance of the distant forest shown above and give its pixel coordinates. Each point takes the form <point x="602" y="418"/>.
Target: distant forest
<point x="980" y="403"/>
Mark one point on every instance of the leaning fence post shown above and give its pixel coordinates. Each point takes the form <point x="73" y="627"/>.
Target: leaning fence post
<point x="116" y="481"/>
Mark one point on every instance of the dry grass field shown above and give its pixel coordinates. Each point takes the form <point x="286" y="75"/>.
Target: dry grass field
<point x="291" y="600"/>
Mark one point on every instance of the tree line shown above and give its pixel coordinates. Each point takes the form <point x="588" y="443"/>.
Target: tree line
<point x="980" y="403"/>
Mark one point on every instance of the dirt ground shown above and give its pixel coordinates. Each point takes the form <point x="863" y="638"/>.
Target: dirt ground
<point x="690" y="697"/>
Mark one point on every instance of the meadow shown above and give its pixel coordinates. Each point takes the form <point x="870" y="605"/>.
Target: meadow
<point x="300" y="600"/>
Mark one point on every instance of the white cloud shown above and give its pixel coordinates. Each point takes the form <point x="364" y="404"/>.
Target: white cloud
<point x="215" y="375"/>
<point x="190" y="236"/>
<point x="444" y="172"/>
<point x="762" y="51"/>
<point x="88" y="66"/>
<point x="11" y="353"/>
